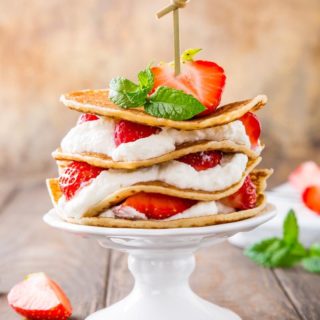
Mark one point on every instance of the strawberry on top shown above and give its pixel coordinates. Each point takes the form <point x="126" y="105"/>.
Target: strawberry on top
<point x="204" y="80"/>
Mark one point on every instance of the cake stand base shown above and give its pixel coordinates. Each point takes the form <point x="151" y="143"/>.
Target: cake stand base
<point x="161" y="262"/>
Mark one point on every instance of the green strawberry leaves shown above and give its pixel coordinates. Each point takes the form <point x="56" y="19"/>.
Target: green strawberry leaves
<point x="287" y="251"/>
<point x="165" y="102"/>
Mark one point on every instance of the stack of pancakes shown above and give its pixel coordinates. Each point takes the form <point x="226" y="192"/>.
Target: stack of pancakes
<point x="97" y="102"/>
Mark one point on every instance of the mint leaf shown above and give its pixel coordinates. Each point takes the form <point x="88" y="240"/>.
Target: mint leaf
<point x="126" y="94"/>
<point x="312" y="264"/>
<point x="146" y="79"/>
<point x="262" y="252"/>
<point x="290" y="228"/>
<point x="173" y="104"/>
<point x="315" y="250"/>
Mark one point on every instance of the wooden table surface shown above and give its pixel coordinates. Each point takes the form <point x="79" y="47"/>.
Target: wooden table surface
<point x="94" y="277"/>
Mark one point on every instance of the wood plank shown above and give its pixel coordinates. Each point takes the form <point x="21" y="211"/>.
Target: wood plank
<point x="223" y="276"/>
<point x="28" y="245"/>
<point x="303" y="290"/>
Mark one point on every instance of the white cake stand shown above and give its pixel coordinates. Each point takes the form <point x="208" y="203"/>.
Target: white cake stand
<point x="161" y="262"/>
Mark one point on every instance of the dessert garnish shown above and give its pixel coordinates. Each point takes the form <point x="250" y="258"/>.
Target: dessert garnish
<point x="196" y="90"/>
<point x="39" y="297"/>
<point x="287" y="251"/>
<point x="306" y="180"/>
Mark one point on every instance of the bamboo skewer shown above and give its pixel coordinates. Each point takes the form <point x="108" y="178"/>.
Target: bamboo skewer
<point x="174" y="7"/>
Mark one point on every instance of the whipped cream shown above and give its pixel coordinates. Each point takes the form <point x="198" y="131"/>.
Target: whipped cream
<point x="200" y="209"/>
<point x="175" y="173"/>
<point x="97" y="136"/>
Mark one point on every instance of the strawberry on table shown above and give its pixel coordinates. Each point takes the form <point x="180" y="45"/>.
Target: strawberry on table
<point x="39" y="297"/>
<point x="202" y="160"/>
<point x="76" y="175"/>
<point x="245" y="198"/>
<point x="126" y="131"/>
<point x="158" y="206"/>
<point x="204" y="80"/>
<point x="311" y="198"/>
<point x="305" y="175"/>
<point x="85" y="117"/>
<point x="253" y="127"/>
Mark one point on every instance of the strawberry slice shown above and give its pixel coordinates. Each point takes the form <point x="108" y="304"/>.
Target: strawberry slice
<point x="305" y="175"/>
<point x="85" y="117"/>
<point x="311" y="198"/>
<point x="245" y="198"/>
<point x="158" y="206"/>
<point x="202" y="160"/>
<point x="39" y="297"/>
<point x="253" y="127"/>
<point x="204" y="80"/>
<point x="126" y="131"/>
<point x="77" y="175"/>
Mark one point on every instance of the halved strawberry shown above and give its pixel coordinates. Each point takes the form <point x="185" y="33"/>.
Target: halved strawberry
<point x="202" y="160"/>
<point x="204" y="80"/>
<point x="158" y="206"/>
<point x="311" y="198"/>
<point x="244" y="198"/>
<point x="126" y="131"/>
<point x="39" y="297"/>
<point x="85" y="117"/>
<point x="305" y="175"/>
<point x="76" y="175"/>
<point x="253" y="127"/>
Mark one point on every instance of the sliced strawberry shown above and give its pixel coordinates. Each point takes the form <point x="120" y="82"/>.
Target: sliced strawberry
<point x="39" y="297"/>
<point x="158" y="206"/>
<point x="307" y="174"/>
<point x="76" y="175"/>
<point x="204" y="80"/>
<point x="85" y="117"/>
<point x="311" y="198"/>
<point x="253" y="127"/>
<point x="127" y="131"/>
<point x="202" y="160"/>
<point x="244" y="198"/>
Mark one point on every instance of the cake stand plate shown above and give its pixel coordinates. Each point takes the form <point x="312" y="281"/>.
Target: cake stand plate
<point x="161" y="261"/>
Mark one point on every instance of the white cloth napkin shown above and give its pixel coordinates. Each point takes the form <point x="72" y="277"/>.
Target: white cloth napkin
<point x="284" y="197"/>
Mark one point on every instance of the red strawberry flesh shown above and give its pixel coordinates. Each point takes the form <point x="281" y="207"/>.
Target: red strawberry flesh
<point x="158" y="206"/>
<point x="85" y="117"/>
<point x="204" y="80"/>
<point x="245" y="198"/>
<point x="76" y="175"/>
<point x="253" y="127"/>
<point x="126" y="131"/>
<point x="202" y="160"/>
<point x="311" y="198"/>
<point x="39" y="297"/>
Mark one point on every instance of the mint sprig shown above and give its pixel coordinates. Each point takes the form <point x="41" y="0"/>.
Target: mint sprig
<point x="165" y="102"/>
<point x="287" y="251"/>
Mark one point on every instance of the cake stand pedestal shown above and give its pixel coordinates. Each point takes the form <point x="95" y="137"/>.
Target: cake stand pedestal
<point x="161" y="262"/>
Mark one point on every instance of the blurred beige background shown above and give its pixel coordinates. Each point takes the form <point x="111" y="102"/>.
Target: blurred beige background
<point x="50" y="47"/>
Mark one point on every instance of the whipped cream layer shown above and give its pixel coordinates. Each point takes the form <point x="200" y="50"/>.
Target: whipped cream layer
<point x="98" y="137"/>
<point x="175" y="173"/>
<point x="200" y="209"/>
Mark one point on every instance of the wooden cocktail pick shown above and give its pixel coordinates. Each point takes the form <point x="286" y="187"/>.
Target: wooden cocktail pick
<point x="174" y="7"/>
